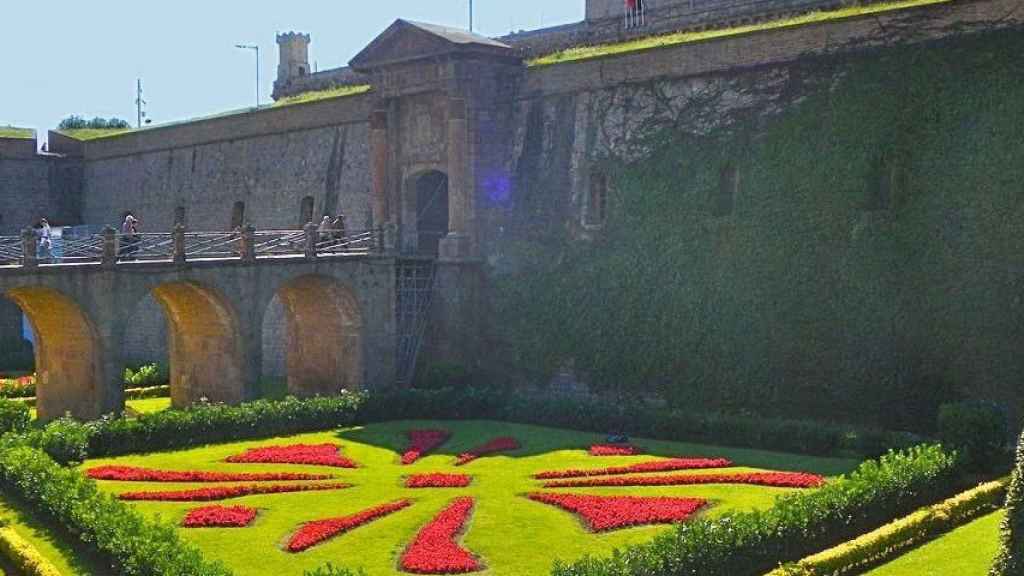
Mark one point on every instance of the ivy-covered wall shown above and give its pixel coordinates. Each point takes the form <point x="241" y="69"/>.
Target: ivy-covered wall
<point x="871" y="264"/>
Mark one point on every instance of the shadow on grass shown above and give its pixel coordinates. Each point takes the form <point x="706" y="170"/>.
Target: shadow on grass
<point x="538" y="440"/>
<point x="34" y="528"/>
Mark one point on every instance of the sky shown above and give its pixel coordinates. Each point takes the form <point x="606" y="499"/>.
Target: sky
<point x="63" y="57"/>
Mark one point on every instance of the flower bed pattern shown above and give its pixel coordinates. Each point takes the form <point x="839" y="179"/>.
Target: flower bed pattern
<point x="775" y="479"/>
<point x="435" y="551"/>
<point x="642" y="467"/>
<point x="134" y="474"/>
<point x="601" y="513"/>
<point x="219" y="517"/>
<point x="497" y="445"/>
<point x="226" y="492"/>
<point x="315" y="454"/>
<point x="438" y="481"/>
<point x="423" y="441"/>
<point x="316" y="532"/>
<point x="615" y="450"/>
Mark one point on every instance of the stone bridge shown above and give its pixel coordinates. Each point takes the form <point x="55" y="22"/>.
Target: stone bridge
<point x="340" y="298"/>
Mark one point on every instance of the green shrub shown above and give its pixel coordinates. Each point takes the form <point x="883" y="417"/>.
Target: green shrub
<point x="330" y="570"/>
<point x="14" y="416"/>
<point x="21" y="387"/>
<point x="131" y="544"/>
<point x="145" y="376"/>
<point x="1010" y="560"/>
<point x="976" y="429"/>
<point x="65" y="439"/>
<point x="75" y="122"/>
<point x="150" y="392"/>
<point x="752" y="543"/>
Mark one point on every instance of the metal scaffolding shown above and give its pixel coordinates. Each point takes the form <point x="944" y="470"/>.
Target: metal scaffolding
<point x="415" y="292"/>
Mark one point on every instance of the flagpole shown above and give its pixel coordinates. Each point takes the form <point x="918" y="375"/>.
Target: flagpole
<point x="470" y="15"/>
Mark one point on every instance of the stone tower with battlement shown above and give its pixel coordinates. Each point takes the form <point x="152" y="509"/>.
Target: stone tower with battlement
<point x="294" y="57"/>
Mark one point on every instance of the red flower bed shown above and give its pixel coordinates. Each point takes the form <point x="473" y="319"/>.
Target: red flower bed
<point x="226" y="492"/>
<point x="438" y="481"/>
<point x="434" y="550"/>
<point x="313" y="533"/>
<point x="777" y="479"/>
<point x="601" y="513"/>
<point x="423" y="441"/>
<point x="614" y="450"/>
<point x="133" y="474"/>
<point x="219" y="517"/>
<point x="642" y="467"/>
<point x="316" y="454"/>
<point x="497" y="445"/>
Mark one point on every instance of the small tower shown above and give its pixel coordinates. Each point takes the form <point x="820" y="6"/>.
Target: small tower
<point x="294" y="57"/>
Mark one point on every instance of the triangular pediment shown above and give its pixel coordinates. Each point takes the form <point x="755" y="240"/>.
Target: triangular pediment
<point x="405" y="41"/>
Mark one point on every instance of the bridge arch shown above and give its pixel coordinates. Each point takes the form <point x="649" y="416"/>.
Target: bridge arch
<point x="205" y="348"/>
<point x="68" y="351"/>
<point x="323" y="335"/>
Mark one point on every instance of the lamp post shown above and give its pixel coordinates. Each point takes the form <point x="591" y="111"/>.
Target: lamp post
<point x="257" y="49"/>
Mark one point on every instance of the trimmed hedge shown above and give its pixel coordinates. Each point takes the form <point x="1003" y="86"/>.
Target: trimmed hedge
<point x="163" y="391"/>
<point x="1010" y="561"/>
<point x="133" y="545"/>
<point x="896" y="537"/>
<point x="23" y="555"/>
<point x="68" y="441"/>
<point x="752" y="543"/>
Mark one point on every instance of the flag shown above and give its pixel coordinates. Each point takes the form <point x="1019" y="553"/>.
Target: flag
<point x="630" y="4"/>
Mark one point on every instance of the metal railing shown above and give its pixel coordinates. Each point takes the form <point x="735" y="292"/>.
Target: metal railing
<point x="246" y="244"/>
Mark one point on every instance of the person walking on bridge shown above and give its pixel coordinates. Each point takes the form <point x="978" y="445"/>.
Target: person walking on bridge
<point x="45" y="248"/>
<point x="129" y="236"/>
<point x="325" y="228"/>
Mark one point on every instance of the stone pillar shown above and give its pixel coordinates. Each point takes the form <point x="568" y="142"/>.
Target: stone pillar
<point x="109" y="258"/>
<point x="178" y="241"/>
<point x="29" y="256"/>
<point x="379" y="158"/>
<point x="248" y="243"/>
<point x="311" y="239"/>
<point x="457" y="244"/>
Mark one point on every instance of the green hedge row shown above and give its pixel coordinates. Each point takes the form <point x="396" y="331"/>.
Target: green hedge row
<point x="131" y="544"/>
<point x="752" y="543"/>
<point x="67" y="440"/>
<point x="1010" y="561"/>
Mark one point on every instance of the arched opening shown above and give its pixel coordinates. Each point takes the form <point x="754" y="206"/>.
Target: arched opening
<point x="205" y="351"/>
<point x="69" y="370"/>
<point x="144" y="346"/>
<point x="431" y="211"/>
<point x="318" y="350"/>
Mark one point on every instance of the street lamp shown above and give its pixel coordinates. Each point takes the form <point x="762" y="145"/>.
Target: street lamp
<point x="257" y="49"/>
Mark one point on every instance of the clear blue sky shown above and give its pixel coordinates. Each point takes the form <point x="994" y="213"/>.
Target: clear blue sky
<point x="63" y="57"/>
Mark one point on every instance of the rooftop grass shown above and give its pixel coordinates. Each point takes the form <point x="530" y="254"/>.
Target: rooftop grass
<point x="512" y="535"/>
<point x="967" y="551"/>
<point x="13" y="132"/>
<point x="677" y="38"/>
<point x="94" y="133"/>
<point x="317" y="95"/>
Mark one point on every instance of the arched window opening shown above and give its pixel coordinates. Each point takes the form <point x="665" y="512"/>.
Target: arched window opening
<point x="237" y="215"/>
<point x="306" y="211"/>
<point x="179" y="215"/>
<point x="302" y="70"/>
<point x="596" y="212"/>
<point x="728" y="188"/>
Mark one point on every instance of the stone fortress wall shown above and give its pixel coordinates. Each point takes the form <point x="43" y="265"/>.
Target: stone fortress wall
<point x="547" y="140"/>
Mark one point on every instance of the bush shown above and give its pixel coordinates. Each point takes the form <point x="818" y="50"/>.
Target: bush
<point x="150" y="392"/>
<point x="133" y="545"/>
<point x="75" y="122"/>
<point x="14" y="416"/>
<point x="145" y="376"/>
<point x="23" y="555"/>
<point x="65" y="439"/>
<point x="976" y="429"/>
<point x="22" y="387"/>
<point x="1010" y="561"/>
<point x="752" y="543"/>
<point x="330" y="570"/>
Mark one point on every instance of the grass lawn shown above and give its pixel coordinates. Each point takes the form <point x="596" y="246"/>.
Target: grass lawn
<point x="967" y="551"/>
<point x="676" y="38"/>
<point x="17" y="133"/>
<point x="60" y="549"/>
<point x="510" y="534"/>
<point x="148" y="405"/>
<point x="94" y="133"/>
<point x="315" y="95"/>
